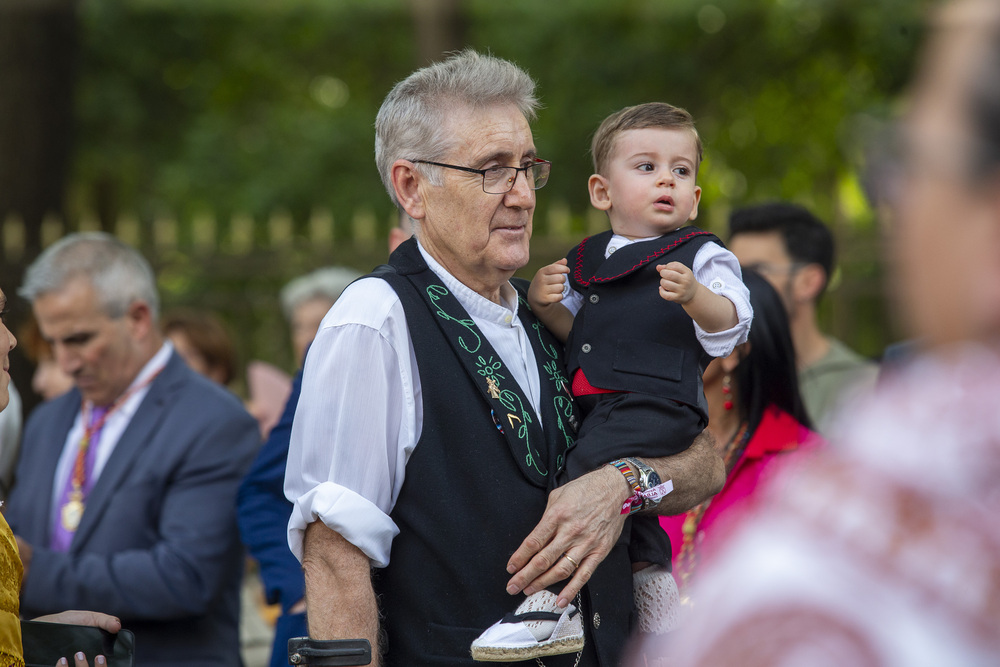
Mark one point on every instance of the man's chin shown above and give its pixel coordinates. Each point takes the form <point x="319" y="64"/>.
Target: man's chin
<point x="513" y="262"/>
<point x="92" y="395"/>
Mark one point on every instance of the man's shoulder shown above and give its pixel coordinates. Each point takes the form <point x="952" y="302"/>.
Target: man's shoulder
<point x="199" y="396"/>
<point x="840" y="367"/>
<point x="838" y="375"/>
<point x="367" y="301"/>
<point x="48" y="412"/>
<point x="840" y="357"/>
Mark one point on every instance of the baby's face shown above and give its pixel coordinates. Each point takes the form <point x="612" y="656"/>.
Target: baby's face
<point x="649" y="188"/>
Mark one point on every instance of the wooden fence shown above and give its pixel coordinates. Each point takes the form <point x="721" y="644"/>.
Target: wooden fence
<point x="236" y="266"/>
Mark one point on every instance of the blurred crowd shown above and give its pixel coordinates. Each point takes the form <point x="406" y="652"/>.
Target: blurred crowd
<point x="856" y="523"/>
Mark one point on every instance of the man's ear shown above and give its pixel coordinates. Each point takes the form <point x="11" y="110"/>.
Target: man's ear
<point x="809" y="282"/>
<point x="406" y="182"/>
<point x="140" y="319"/>
<point x="600" y="196"/>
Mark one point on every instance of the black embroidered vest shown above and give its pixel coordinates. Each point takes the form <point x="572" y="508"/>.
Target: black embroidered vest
<point x="476" y="484"/>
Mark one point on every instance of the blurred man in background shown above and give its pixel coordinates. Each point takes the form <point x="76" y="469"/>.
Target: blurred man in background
<point x="794" y="250"/>
<point x="125" y="495"/>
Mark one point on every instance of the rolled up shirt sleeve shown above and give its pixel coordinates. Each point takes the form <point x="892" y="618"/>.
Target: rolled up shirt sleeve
<point x="356" y="422"/>
<point x="718" y="269"/>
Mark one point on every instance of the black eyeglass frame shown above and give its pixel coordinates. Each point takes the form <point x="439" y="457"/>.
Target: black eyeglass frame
<point x="482" y="172"/>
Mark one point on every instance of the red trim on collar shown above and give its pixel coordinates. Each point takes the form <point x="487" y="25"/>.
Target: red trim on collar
<point x="578" y="268"/>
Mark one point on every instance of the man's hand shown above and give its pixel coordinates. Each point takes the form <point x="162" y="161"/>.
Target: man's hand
<point x="677" y="282"/>
<point x="581" y="523"/>
<point x="583" y="519"/>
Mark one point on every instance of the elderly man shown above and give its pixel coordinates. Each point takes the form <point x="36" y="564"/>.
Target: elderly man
<point x="124" y="500"/>
<point x="434" y="412"/>
<point x="886" y="550"/>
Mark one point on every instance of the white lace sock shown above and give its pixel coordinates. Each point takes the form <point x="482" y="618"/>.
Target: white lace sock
<point x="657" y="599"/>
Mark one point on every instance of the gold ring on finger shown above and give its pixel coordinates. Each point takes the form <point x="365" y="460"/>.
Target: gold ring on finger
<point x="575" y="564"/>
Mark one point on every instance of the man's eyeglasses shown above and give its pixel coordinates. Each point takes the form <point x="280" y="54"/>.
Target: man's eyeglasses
<point x="500" y="180"/>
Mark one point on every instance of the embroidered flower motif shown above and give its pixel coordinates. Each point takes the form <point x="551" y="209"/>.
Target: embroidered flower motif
<point x="555" y="375"/>
<point x="489" y="368"/>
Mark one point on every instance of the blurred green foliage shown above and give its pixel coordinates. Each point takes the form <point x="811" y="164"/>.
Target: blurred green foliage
<point x="260" y="105"/>
<point x="255" y="106"/>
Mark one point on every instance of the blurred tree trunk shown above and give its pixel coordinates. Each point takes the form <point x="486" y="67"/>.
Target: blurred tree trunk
<point x="38" y="51"/>
<point x="441" y="26"/>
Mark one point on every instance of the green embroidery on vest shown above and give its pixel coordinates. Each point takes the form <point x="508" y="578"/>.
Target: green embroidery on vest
<point x="538" y="326"/>
<point x="435" y="292"/>
<point x="523" y="418"/>
<point x="556" y="375"/>
<point x="517" y="417"/>
<point x="564" y="413"/>
<point x="490" y="368"/>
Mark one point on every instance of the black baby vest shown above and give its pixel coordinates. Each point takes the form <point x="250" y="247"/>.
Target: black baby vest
<point x="627" y="337"/>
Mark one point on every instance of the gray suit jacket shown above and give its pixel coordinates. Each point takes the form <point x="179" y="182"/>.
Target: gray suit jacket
<point x="158" y="544"/>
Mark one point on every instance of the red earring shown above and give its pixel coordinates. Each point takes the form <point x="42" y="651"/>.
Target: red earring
<point x="727" y="391"/>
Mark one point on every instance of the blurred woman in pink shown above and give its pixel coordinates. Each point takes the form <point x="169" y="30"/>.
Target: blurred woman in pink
<point x="757" y="417"/>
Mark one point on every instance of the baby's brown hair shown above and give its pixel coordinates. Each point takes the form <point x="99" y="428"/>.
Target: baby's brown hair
<point x="639" y="117"/>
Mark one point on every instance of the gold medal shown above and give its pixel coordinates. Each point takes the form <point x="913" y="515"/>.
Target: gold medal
<point x="72" y="512"/>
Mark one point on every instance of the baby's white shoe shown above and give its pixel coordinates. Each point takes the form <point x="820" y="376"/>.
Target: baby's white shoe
<point x="537" y="628"/>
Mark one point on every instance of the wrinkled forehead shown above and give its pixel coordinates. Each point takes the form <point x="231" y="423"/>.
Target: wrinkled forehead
<point x="489" y="131"/>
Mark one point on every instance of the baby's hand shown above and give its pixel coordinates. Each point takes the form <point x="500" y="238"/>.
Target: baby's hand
<point x="547" y="285"/>
<point x="677" y="282"/>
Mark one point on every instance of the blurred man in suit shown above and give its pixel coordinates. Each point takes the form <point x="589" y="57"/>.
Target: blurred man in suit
<point x="124" y="500"/>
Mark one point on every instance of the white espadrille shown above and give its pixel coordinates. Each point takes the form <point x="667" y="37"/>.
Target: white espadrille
<point x="537" y="628"/>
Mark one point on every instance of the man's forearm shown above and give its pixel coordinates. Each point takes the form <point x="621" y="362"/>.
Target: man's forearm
<point x="340" y="599"/>
<point x="697" y="473"/>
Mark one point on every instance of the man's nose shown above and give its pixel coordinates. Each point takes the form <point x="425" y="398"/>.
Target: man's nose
<point x="521" y="192"/>
<point x="67" y="360"/>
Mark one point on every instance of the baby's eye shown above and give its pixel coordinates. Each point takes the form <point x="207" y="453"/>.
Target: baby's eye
<point x="646" y="166"/>
<point x="682" y="171"/>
